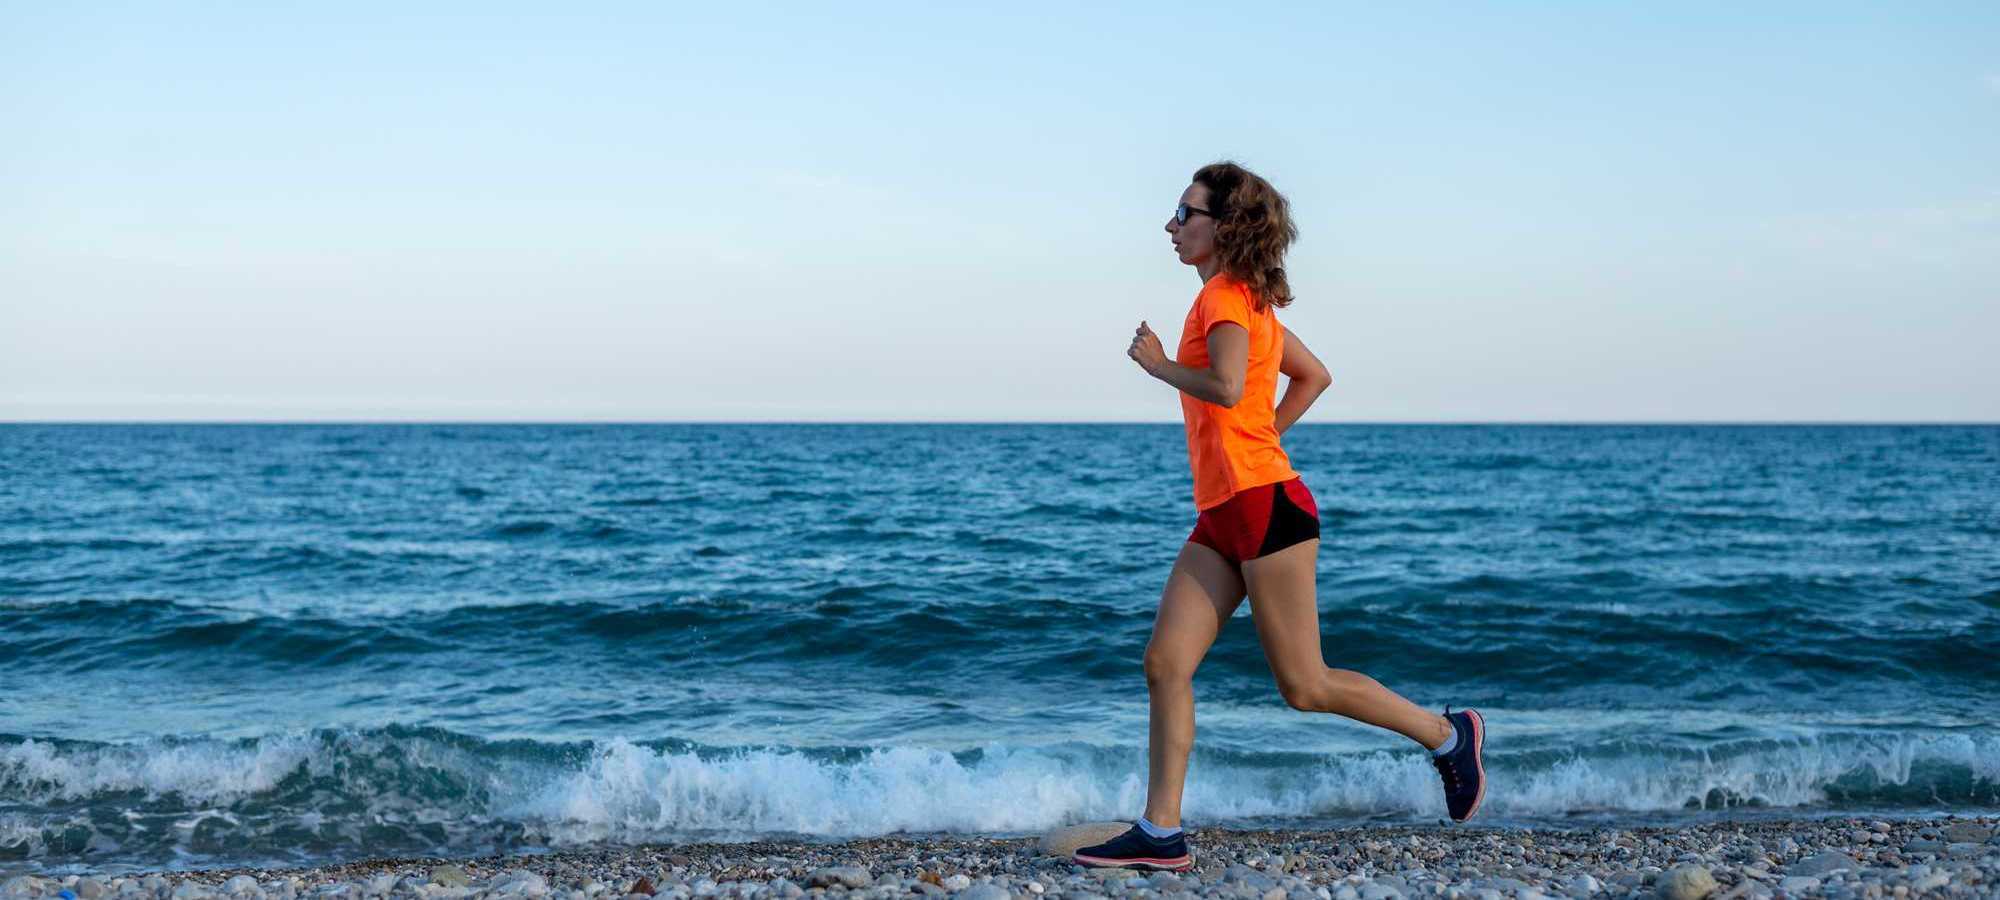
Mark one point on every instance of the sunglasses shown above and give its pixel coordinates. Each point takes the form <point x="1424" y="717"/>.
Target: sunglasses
<point x="1181" y="213"/>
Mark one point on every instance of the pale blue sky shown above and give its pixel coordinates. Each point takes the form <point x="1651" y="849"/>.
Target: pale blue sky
<point x="1510" y="212"/>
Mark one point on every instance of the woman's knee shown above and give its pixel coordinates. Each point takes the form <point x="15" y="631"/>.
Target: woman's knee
<point x="1305" y="692"/>
<point x="1166" y="670"/>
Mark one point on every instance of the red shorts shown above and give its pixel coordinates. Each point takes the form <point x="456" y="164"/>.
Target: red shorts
<point x="1258" y="521"/>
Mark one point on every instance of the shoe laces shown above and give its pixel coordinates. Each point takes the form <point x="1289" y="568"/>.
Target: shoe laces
<point x="1447" y="769"/>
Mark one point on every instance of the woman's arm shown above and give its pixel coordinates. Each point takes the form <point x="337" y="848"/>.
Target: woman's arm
<point x="1308" y="379"/>
<point x="1222" y="382"/>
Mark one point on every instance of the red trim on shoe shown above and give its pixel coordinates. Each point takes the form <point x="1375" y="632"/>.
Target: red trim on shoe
<point x="1478" y="759"/>
<point x="1177" y="863"/>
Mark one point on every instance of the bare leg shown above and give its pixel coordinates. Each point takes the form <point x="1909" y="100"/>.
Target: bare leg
<point x="1284" y="603"/>
<point x="1201" y="593"/>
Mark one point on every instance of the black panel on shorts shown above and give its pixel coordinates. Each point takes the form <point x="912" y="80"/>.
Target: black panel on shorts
<point x="1289" y="524"/>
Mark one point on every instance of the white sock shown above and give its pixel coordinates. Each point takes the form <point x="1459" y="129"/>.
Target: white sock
<point x="1156" y="831"/>
<point x="1450" y="743"/>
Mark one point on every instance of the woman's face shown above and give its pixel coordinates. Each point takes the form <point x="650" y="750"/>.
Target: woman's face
<point x="1194" y="240"/>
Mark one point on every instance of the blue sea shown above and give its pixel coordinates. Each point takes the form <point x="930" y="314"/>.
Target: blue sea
<point x="266" y="644"/>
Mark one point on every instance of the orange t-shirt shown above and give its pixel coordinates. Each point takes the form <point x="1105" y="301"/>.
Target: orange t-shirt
<point x="1233" y="448"/>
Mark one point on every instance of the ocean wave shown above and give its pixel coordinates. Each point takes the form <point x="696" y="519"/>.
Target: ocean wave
<point x="1505" y="631"/>
<point x="1495" y="462"/>
<point x="405" y="789"/>
<point x="521" y="528"/>
<point x="57" y="545"/>
<point x="1075" y="512"/>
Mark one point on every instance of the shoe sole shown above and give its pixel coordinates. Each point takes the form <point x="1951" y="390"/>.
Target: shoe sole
<point x="1175" y="864"/>
<point x="1478" y="760"/>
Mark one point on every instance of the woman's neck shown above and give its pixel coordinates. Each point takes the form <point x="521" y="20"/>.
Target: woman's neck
<point x="1207" y="269"/>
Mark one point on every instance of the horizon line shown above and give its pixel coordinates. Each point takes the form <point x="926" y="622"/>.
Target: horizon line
<point x="994" y="422"/>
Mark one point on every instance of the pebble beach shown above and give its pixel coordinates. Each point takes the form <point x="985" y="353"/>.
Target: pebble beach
<point x="1838" y="858"/>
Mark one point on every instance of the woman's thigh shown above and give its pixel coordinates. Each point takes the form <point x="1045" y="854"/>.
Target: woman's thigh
<point x="1202" y="592"/>
<point x="1284" y="604"/>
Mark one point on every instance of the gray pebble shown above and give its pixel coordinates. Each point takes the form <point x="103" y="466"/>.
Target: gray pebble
<point x="1685" y="883"/>
<point x="1821" y="863"/>
<point x="1930" y="882"/>
<point x="1582" y="886"/>
<point x="844" y="876"/>
<point x="1965" y="832"/>
<point x="516" y="882"/>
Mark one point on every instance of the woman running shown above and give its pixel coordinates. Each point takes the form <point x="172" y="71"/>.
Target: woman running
<point x="1258" y="527"/>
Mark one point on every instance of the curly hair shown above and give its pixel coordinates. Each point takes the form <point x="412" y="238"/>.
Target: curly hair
<point x="1253" y="227"/>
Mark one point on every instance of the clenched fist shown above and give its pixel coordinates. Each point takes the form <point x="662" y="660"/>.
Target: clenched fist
<point x="1146" y="349"/>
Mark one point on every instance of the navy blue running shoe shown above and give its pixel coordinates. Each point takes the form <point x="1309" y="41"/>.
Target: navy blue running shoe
<point x="1135" y="849"/>
<point x="1463" y="772"/>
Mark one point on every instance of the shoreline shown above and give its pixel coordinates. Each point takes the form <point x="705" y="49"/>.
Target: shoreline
<point x="1721" y="860"/>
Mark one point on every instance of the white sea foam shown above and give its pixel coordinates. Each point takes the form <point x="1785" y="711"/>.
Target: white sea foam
<point x="201" y="770"/>
<point x="628" y="791"/>
<point x="620" y="791"/>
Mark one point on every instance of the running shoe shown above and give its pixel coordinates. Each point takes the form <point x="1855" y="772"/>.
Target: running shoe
<point x="1463" y="772"/>
<point x="1135" y="849"/>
